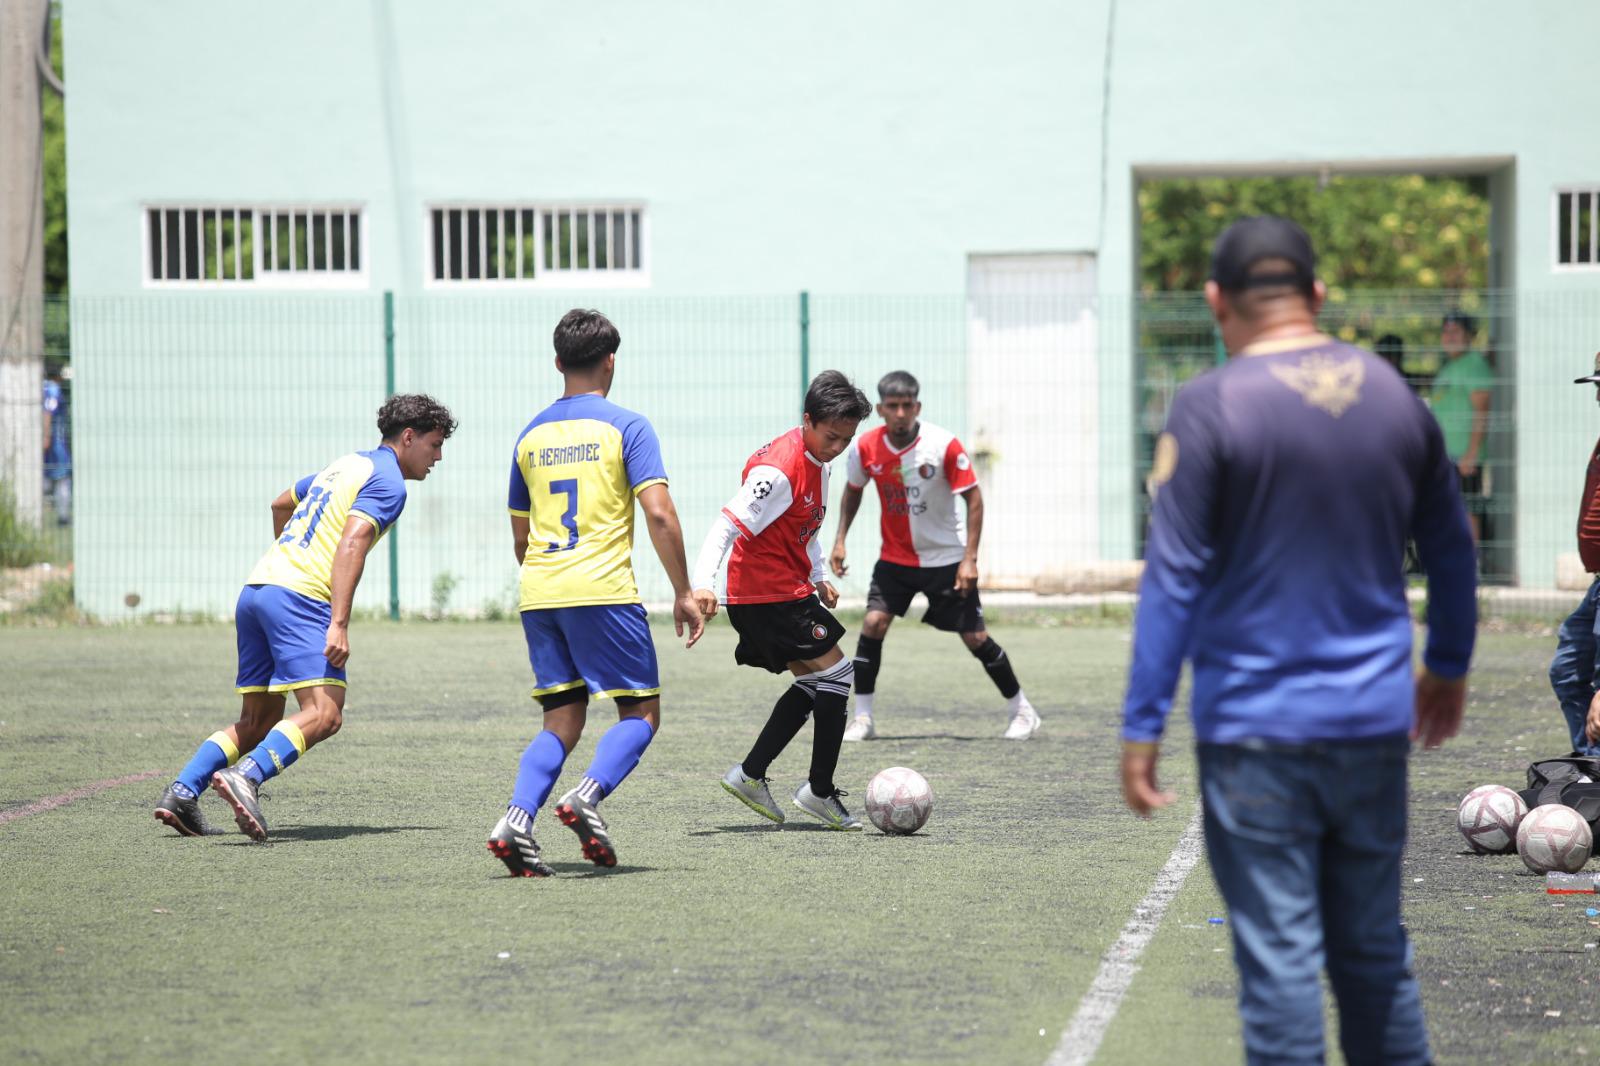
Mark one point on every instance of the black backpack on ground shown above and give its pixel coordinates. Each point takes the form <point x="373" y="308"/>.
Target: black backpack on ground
<point x="1572" y="780"/>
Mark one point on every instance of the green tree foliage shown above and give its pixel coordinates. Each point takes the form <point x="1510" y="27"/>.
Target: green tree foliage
<point x="1405" y="232"/>
<point x="55" y="172"/>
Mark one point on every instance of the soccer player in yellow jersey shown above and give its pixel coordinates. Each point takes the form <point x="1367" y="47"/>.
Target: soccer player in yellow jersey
<point x="293" y="615"/>
<point x="575" y="472"/>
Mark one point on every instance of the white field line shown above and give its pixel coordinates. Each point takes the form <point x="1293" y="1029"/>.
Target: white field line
<point x="50" y="803"/>
<point x="1081" y="1038"/>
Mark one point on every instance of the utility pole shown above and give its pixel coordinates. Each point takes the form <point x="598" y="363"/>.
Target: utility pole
<point x="22" y="24"/>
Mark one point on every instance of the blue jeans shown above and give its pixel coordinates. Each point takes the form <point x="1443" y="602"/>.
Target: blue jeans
<point x="1572" y="670"/>
<point x="1305" y="843"/>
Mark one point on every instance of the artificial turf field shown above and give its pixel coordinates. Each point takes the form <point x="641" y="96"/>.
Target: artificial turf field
<point x="374" y="927"/>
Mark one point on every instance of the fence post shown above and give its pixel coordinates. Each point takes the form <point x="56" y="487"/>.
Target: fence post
<point x="388" y="387"/>
<point x="805" y="341"/>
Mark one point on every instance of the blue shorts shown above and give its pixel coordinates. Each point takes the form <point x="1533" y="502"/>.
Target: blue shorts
<point x="282" y="636"/>
<point x="604" y="646"/>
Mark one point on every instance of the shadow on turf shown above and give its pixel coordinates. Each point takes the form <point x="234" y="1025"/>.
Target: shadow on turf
<point x="764" y="827"/>
<point x="339" y="832"/>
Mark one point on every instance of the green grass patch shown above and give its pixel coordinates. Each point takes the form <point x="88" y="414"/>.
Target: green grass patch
<point x="375" y="928"/>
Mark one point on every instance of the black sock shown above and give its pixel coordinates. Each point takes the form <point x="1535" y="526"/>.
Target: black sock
<point x="787" y="716"/>
<point x="994" y="659"/>
<point x="827" y="723"/>
<point x="869" y="656"/>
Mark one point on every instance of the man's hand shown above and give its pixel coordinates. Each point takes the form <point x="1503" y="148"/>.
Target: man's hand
<point x="829" y="594"/>
<point x="836" y="560"/>
<point x="1467" y="465"/>
<point x="1440" y="704"/>
<point x="1139" y="789"/>
<point x="686" y="612"/>
<point x="967" y="576"/>
<point x="706" y="600"/>
<point x="338" y="650"/>
<point x="1591" y="726"/>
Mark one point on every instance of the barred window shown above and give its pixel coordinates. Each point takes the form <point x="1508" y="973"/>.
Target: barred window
<point x="552" y="244"/>
<point x="277" y="246"/>
<point x="1577" y="227"/>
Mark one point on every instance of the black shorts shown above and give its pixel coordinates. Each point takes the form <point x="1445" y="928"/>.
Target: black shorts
<point x="894" y="587"/>
<point x="773" y="635"/>
<point x="1474" y="491"/>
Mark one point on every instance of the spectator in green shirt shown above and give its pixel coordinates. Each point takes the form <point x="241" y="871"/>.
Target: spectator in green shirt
<point x="1461" y="403"/>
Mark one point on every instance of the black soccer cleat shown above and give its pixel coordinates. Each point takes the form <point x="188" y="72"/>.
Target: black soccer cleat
<point x="182" y="814"/>
<point x="583" y="818"/>
<point x="518" y="851"/>
<point x="241" y="794"/>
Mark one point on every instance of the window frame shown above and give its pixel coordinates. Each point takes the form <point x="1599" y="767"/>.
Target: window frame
<point x="1592" y="265"/>
<point x="545" y="277"/>
<point x="263" y="279"/>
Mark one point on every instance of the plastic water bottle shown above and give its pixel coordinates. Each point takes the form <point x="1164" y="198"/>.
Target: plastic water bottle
<point x="1560" y="884"/>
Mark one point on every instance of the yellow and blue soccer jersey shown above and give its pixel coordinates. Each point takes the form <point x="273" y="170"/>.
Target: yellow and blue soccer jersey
<point x="574" y="474"/>
<point x="365" y="485"/>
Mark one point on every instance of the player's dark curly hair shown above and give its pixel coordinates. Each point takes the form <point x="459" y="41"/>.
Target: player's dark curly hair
<point x="898" y="383"/>
<point x="584" y="337"/>
<point x="832" y="395"/>
<point x="414" y="410"/>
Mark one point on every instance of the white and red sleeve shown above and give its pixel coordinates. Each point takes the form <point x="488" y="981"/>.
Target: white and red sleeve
<point x="958" y="467"/>
<point x="855" y="471"/>
<point x="765" y="495"/>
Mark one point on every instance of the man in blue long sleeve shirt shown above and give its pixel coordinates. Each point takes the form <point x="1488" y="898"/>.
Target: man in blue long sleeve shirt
<point x="1285" y="486"/>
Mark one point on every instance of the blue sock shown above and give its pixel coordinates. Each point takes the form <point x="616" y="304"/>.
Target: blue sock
<point x="215" y="752"/>
<point x="615" y="757"/>
<point x="541" y="765"/>
<point x="275" y="754"/>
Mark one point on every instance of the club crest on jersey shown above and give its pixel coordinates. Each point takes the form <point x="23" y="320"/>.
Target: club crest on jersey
<point x="818" y="631"/>
<point x="1333" y="385"/>
<point x="927" y="470"/>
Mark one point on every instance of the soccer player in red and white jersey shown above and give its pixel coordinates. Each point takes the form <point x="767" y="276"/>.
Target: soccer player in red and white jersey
<point x="920" y="469"/>
<point x="778" y="597"/>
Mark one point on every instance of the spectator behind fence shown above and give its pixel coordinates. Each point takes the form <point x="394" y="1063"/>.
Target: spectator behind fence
<point x="57" y="445"/>
<point x="1284" y="486"/>
<point x="1572" y="671"/>
<point x="1391" y="348"/>
<point x="1461" y="403"/>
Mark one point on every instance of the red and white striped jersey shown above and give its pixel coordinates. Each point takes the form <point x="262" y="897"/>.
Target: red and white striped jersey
<point x="917" y="486"/>
<point x="778" y="513"/>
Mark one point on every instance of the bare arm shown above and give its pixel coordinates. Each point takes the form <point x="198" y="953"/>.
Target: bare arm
<point x="1480" y="424"/>
<point x="282" y="510"/>
<point x="661" y="519"/>
<point x="967" y="571"/>
<point x="349" y="560"/>
<point x="519" y="536"/>
<point x="849" y="504"/>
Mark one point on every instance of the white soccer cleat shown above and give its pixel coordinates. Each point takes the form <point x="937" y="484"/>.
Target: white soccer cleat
<point x="828" y="810"/>
<point x="1024" y="724"/>
<point x="752" y="792"/>
<point x="861" y="728"/>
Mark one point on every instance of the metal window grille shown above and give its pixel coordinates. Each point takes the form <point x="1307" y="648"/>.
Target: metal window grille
<point x="1577" y="226"/>
<point x="517" y="243"/>
<point x="247" y="244"/>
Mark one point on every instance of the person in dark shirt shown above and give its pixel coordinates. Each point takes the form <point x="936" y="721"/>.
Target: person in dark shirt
<point x="1572" y="671"/>
<point x="1285" y="485"/>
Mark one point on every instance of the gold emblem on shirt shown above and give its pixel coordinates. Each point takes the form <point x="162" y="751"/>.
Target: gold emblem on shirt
<point x="1334" y="385"/>
<point x="1164" y="465"/>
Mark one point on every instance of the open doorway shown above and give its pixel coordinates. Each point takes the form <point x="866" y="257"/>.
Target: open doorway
<point x="1401" y="250"/>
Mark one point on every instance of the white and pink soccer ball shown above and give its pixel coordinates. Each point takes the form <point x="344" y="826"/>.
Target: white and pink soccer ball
<point x="1554" y="838"/>
<point x="899" y="800"/>
<point x="1488" y="817"/>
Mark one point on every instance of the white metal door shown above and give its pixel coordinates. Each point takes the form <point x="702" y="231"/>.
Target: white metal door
<point x="1033" y="398"/>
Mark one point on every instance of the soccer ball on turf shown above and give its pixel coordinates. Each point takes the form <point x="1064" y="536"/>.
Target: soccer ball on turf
<point x="899" y="800"/>
<point x="1488" y="817"/>
<point x="1554" y="837"/>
